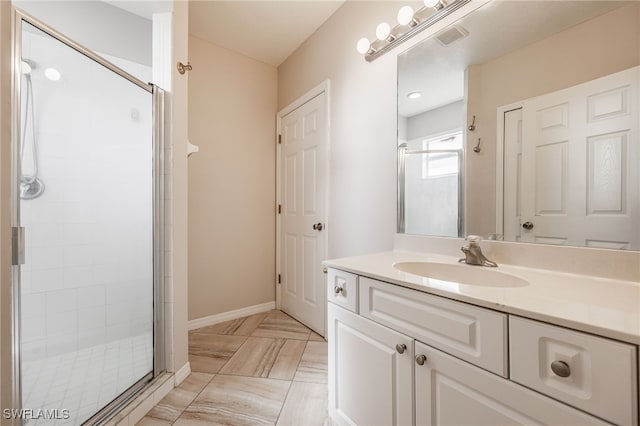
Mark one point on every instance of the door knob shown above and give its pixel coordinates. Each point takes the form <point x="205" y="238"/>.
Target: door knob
<point x="318" y="226"/>
<point x="527" y="225"/>
<point x="401" y="347"/>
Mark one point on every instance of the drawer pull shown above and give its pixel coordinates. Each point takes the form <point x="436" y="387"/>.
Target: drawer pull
<point x="337" y="290"/>
<point x="421" y="359"/>
<point x="561" y="368"/>
<point x="401" y="347"/>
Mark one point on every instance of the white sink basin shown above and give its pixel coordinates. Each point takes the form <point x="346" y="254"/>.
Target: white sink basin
<point x="462" y="274"/>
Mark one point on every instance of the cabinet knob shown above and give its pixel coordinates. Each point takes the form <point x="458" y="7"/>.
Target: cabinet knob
<point x="337" y="289"/>
<point x="401" y="347"/>
<point x="561" y="368"/>
<point x="421" y="359"/>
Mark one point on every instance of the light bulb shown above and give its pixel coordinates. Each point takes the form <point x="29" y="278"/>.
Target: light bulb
<point x="363" y="45"/>
<point x="383" y="31"/>
<point x="405" y="15"/>
<point x="52" y="74"/>
<point x="431" y="3"/>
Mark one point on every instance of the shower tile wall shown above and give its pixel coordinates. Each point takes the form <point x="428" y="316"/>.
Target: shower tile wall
<point x="77" y="293"/>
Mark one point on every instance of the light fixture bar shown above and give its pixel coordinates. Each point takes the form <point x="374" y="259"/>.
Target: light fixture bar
<point x="421" y="26"/>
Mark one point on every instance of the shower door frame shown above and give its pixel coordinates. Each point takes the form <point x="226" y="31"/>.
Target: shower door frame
<point x="17" y="242"/>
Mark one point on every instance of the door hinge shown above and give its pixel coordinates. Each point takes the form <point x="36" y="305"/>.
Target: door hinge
<point x="279" y="279"/>
<point x="279" y="139"/>
<point x="279" y="208"/>
<point x="17" y="245"/>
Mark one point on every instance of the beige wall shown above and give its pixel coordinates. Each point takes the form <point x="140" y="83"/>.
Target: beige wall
<point x="179" y="132"/>
<point x="232" y="110"/>
<point x="363" y="120"/>
<point x="587" y="51"/>
<point x="362" y="115"/>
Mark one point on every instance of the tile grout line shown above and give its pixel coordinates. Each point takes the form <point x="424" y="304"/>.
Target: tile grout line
<point x="247" y="336"/>
<point x="220" y="369"/>
<point x="194" y="398"/>
<point x="284" y="401"/>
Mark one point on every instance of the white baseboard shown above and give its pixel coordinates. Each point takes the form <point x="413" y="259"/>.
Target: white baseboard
<point x="230" y="315"/>
<point x="182" y="374"/>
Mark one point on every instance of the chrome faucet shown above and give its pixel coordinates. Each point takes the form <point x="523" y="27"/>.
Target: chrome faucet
<point x="473" y="253"/>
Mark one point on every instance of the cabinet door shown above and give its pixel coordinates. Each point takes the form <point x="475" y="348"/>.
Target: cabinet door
<point x="370" y="381"/>
<point x="452" y="392"/>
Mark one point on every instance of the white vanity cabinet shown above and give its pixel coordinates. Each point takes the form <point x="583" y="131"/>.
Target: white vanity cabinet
<point x="449" y="391"/>
<point x="399" y="356"/>
<point x="370" y="371"/>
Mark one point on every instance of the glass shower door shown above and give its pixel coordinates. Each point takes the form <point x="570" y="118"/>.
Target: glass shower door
<point x="86" y="202"/>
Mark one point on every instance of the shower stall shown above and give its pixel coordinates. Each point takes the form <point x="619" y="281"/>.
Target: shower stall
<point x="87" y="225"/>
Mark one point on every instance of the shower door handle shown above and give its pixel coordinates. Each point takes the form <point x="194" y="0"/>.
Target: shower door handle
<point x="17" y="245"/>
<point x="318" y="226"/>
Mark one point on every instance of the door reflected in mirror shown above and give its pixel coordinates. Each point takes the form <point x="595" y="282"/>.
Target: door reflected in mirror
<point x="547" y="93"/>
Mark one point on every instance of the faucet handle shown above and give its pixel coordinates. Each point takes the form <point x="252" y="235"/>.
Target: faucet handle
<point x="473" y="239"/>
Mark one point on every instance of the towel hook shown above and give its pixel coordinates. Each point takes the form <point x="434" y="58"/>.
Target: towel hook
<point x="182" y="68"/>
<point x="472" y="126"/>
<point x="477" y="147"/>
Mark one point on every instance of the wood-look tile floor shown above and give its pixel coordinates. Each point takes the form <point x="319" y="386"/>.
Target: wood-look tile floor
<point x="264" y="369"/>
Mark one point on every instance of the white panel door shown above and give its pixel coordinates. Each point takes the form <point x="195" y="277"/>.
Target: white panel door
<point x="580" y="157"/>
<point x="303" y="192"/>
<point x="512" y="174"/>
<point x="370" y="381"/>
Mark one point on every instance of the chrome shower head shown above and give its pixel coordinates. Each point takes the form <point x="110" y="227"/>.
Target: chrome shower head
<point x="26" y="66"/>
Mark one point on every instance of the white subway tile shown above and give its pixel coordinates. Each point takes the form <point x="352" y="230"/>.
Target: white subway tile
<point x="91" y="296"/>
<point x="46" y="279"/>
<point x="34" y="328"/>
<point x="91" y="318"/>
<point x="32" y="304"/>
<point x="62" y="323"/>
<point x="79" y="233"/>
<point x="77" y="255"/>
<point x="79" y="276"/>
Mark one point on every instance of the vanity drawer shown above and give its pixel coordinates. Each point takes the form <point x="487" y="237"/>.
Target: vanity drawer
<point x="473" y="334"/>
<point x="601" y="377"/>
<point x="342" y="289"/>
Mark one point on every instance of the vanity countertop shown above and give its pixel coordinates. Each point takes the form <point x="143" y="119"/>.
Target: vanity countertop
<point x="606" y="307"/>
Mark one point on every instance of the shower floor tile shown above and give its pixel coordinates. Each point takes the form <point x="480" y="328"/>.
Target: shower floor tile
<point x="85" y="380"/>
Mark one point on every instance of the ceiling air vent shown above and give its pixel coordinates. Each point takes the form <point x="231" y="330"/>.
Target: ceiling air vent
<point x="451" y="35"/>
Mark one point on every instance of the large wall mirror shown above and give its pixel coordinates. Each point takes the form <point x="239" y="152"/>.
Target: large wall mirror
<point x="520" y="122"/>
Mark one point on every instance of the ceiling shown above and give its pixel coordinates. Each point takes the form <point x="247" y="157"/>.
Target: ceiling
<point x="268" y="31"/>
<point x="494" y="30"/>
<point x="144" y="8"/>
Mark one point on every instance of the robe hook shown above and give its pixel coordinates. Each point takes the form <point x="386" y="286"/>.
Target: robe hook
<point x="182" y="68"/>
<point x="477" y="147"/>
<point x="472" y="126"/>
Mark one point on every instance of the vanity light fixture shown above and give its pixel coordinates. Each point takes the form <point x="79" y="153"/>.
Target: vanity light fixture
<point x="436" y="4"/>
<point x="410" y="23"/>
<point x="383" y="32"/>
<point x="364" y="46"/>
<point x="406" y="16"/>
<point x="414" y="95"/>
